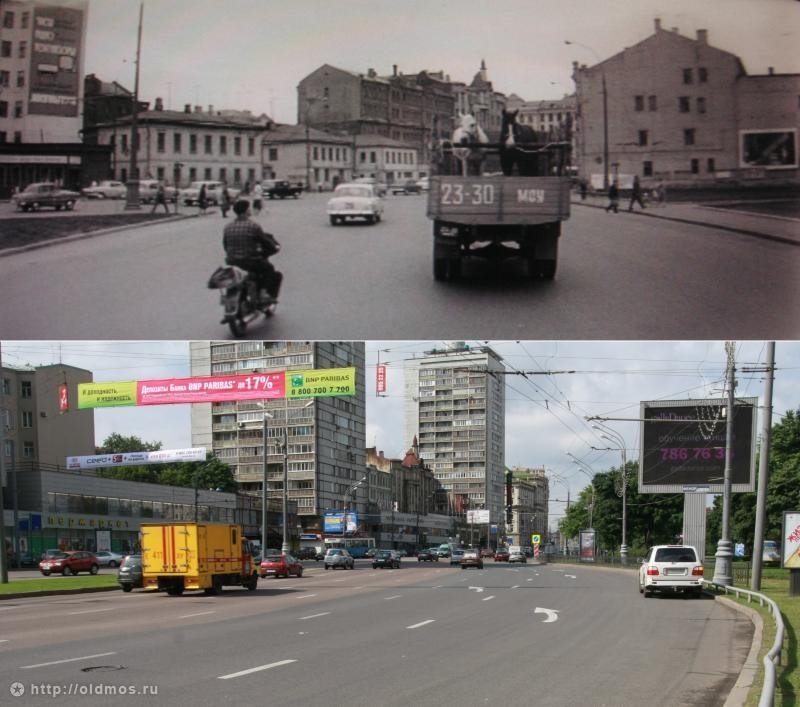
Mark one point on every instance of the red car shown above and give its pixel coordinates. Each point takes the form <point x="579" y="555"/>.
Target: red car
<point x="501" y="555"/>
<point x="281" y="566"/>
<point x="67" y="563"/>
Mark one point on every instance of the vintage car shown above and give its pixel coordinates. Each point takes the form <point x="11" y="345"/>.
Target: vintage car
<point x="355" y="201"/>
<point x="190" y="195"/>
<point x="107" y="189"/>
<point x="40" y="194"/>
<point x="148" y="188"/>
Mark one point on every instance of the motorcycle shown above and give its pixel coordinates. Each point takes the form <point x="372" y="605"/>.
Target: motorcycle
<point x="240" y="298"/>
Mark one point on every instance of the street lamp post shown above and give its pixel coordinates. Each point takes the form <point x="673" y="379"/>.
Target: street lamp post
<point x="617" y="438"/>
<point x="723" y="570"/>
<point x="605" y="111"/>
<point x="132" y="201"/>
<point x="583" y="466"/>
<point x="264" y="490"/>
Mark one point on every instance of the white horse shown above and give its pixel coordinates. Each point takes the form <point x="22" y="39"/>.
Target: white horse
<point x="469" y="132"/>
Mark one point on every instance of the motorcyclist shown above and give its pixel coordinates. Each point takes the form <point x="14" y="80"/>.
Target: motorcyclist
<point x="247" y="246"/>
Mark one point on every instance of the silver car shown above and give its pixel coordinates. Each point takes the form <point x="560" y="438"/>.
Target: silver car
<point x="339" y="557"/>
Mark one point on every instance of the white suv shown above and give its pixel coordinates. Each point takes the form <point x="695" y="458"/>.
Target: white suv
<point x="338" y="557"/>
<point x="671" y="568"/>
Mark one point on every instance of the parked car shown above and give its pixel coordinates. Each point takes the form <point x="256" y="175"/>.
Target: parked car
<point x="386" y="558"/>
<point x="40" y="194"/>
<point x="281" y="565"/>
<point x="424" y="184"/>
<point x="407" y="187"/>
<point x="371" y="552"/>
<point x="501" y="555"/>
<point x="190" y="194"/>
<point x="455" y="556"/>
<point x="351" y="201"/>
<point x="671" y="568"/>
<point x="148" y="188"/>
<point x="106" y="189"/>
<point x="106" y="558"/>
<point x="70" y="563"/>
<point x="427" y="554"/>
<point x="487" y="552"/>
<point x="26" y="559"/>
<point x="338" y="557"/>
<point x="280" y="189"/>
<point x="307" y="553"/>
<point x="402" y="552"/>
<point x="517" y="554"/>
<point x="471" y="558"/>
<point x="380" y="187"/>
<point x="129" y="575"/>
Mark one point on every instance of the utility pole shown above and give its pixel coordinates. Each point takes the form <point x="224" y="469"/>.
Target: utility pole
<point x="722" y="567"/>
<point x="132" y="202"/>
<point x="3" y="557"/>
<point x="763" y="471"/>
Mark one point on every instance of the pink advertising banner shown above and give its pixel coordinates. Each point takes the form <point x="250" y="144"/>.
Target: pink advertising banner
<point x="208" y="389"/>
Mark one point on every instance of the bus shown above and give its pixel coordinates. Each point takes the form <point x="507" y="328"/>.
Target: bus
<point x="356" y="546"/>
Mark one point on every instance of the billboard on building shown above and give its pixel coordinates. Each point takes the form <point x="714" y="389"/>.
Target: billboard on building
<point x="55" y="79"/>
<point x="162" y="456"/>
<point x="478" y="516"/>
<point x="339" y="522"/>
<point x="683" y="442"/>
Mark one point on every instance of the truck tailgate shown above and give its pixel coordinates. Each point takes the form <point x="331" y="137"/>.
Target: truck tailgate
<point x="499" y="199"/>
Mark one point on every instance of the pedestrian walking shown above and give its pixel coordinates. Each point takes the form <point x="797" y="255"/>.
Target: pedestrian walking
<point x="225" y="201"/>
<point x="160" y="199"/>
<point x="258" y="195"/>
<point x="660" y="193"/>
<point x="202" y="199"/>
<point x="613" y="198"/>
<point x="636" y="194"/>
<point x="246" y="188"/>
<point x="584" y="187"/>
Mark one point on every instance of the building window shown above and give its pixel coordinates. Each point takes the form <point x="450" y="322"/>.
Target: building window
<point x="3" y="109"/>
<point x="688" y="136"/>
<point x="695" y="166"/>
<point x="710" y="166"/>
<point x="8" y="20"/>
<point x="237" y="146"/>
<point x="701" y="105"/>
<point x="5" y="78"/>
<point x="27" y="419"/>
<point x="642" y="138"/>
<point x="3" y="137"/>
<point x="251" y="146"/>
<point x="176" y="142"/>
<point x="160" y="174"/>
<point x="192" y="174"/>
<point x="702" y="75"/>
<point x="192" y="144"/>
<point x="20" y="78"/>
<point x="207" y="174"/>
<point x="223" y="145"/>
<point x="683" y="104"/>
<point x="23" y="50"/>
<point x="161" y="139"/>
<point x="223" y="174"/>
<point x="25" y="389"/>
<point x="18" y="109"/>
<point x="373" y="158"/>
<point x="273" y="154"/>
<point x="5" y="49"/>
<point x="652" y="103"/>
<point x="25" y="18"/>
<point x="237" y="176"/>
<point x="208" y="144"/>
<point x="6" y="386"/>
<point x="124" y="143"/>
<point x="316" y="153"/>
<point x="638" y="103"/>
<point x="27" y="450"/>
<point x="687" y="76"/>
<point x="647" y="168"/>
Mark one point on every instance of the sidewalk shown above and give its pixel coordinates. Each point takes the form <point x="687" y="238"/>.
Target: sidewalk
<point x="775" y="228"/>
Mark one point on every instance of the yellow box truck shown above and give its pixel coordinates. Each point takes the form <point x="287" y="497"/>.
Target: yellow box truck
<point x="208" y="556"/>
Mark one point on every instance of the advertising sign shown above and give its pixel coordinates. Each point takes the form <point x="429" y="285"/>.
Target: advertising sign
<point x="380" y="379"/>
<point x="162" y="456"/>
<point x="55" y="61"/>
<point x="790" y="555"/>
<point x="101" y="395"/>
<point x="587" y="544"/>
<point x="63" y="399"/>
<point x="103" y="540"/>
<point x="683" y="445"/>
<point x="334" y="521"/>
<point x="480" y="516"/>
<point x="256" y="386"/>
<point x="320" y="382"/>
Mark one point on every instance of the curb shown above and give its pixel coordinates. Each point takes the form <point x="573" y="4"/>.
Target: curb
<point x="90" y="234"/>
<point x="721" y="227"/>
<point x="744" y="683"/>
<point x="57" y="592"/>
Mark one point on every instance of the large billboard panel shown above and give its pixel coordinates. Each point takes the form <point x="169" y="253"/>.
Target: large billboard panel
<point x="162" y="456"/>
<point x="790" y="553"/>
<point x="55" y="60"/>
<point x="110" y="394"/>
<point x="683" y="445"/>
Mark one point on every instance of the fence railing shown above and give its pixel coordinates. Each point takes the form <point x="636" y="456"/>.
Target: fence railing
<point x="773" y="656"/>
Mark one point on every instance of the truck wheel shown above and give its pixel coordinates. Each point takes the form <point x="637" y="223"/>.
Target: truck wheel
<point x="253" y="583"/>
<point x="175" y="590"/>
<point x="127" y="588"/>
<point x="334" y="220"/>
<point x="541" y="269"/>
<point x="446" y="268"/>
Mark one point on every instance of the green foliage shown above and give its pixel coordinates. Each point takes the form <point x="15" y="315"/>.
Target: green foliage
<point x="209" y="474"/>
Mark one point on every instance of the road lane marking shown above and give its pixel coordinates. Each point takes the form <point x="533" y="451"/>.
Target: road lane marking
<point x="477" y="589"/>
<point x="571" y="576"/>
<point x="88" y="611"/>
<point x="201" y="613"/>
<point x="4" y="640"/>
<point x="314" y="616"/>
<point x="516" y="586"/>
<point x="421" y="623"/>
<point x="487" y="598"/>
<point x="531" y="578"/>
<point x="396" y="596"/>
<point x="305" y="596"/>
<point x="552" y="614"/>
<point x="66" y="660"/>
<point x="256" y="669"/>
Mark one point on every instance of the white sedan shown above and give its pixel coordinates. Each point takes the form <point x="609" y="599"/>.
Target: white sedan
<point x="107" y="189"/>
<point x="351" y="201"/>
<point x="105" y="558"/>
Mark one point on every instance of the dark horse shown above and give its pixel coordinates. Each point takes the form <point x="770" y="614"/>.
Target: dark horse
<point x="518" y="147"/>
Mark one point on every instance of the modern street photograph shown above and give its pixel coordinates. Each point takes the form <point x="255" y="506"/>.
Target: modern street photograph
<point x="374" y="171"/>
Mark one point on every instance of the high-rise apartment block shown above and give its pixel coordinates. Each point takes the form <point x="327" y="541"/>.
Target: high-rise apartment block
<point x="326" y="435"/>
<point x="455" y="405"/>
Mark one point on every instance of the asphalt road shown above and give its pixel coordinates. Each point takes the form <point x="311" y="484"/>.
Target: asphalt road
<point x="620" y="276"/>
<point x="426" y="634"/>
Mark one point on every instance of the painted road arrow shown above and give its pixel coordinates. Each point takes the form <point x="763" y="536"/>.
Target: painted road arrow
<point x="477" y="589"/>
<point x="552" y="614"/>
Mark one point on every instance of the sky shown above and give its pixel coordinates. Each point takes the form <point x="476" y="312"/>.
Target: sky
<point x="251" y="54"/>
<point x="545" y="414"/>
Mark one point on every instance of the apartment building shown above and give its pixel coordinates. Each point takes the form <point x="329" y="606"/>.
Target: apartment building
<point x="325" y="452"/>
<point x="530" y="494"/>
<point x="456" y="408"/>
